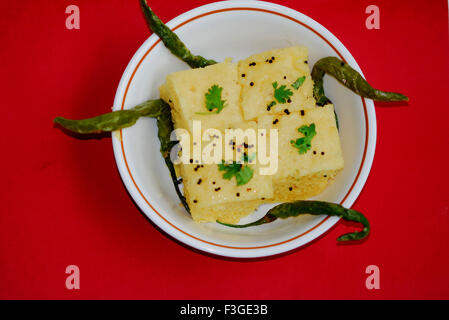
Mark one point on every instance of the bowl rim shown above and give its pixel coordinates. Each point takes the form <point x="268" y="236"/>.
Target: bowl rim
<point x="204" y="245"/>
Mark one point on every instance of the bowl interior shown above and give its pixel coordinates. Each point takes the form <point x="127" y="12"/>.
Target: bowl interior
<point x="236" y="34"/>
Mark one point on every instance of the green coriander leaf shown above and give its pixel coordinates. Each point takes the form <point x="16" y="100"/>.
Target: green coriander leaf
<point x="308" y="131"/>
<point x="213" y="99"/>
<point x="304" y="144"/>
<point x="301" y="144"/>
<point x="298" y="82"/>
<point x="231" y="169"/>
<point x="244" y="175"/>
<point x="281" y="94"/>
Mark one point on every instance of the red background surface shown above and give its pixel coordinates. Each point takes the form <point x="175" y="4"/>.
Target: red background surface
<point x="63" y="202"/>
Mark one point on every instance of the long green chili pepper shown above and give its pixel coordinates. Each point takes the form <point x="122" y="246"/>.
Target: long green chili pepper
<point x="171" y="40"/>
<point x="165" y="128"/>
<point x="113" y="120"/>
<point x="348" y="77"/>
<point x="296" y="208"/>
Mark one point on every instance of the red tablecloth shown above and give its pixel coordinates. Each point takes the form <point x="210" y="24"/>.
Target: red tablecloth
<point x="63" y="202"/>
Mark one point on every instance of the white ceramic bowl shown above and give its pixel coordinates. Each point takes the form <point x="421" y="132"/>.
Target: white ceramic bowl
<point x="237" y="29"/>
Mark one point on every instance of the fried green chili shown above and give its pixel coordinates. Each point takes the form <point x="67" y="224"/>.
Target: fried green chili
<point x="113" y="120"/>
<point x="296" y="208"/>
<point x="171" y="40"/>
<point x="165" y="128"/>
<point x="348" y="77"/>
<point x="116" y="120"/>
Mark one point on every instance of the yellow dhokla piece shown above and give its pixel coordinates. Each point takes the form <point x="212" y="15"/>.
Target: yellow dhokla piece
<point x="211" y="197"/>
<point x="284" y="66"/>
<point x="247" y="89"/>
<point x="185" y="93"/>
<point x="301" y="176"/>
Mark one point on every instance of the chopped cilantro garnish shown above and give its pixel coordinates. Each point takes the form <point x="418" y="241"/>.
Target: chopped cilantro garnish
<point x="231" y="169"/>
<point x="298" y="82"/>
<point x="242" y="173"/>
<point x="213" y="100"/>
<point x="304" y="144"/>
<point x="281" y="94"/>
